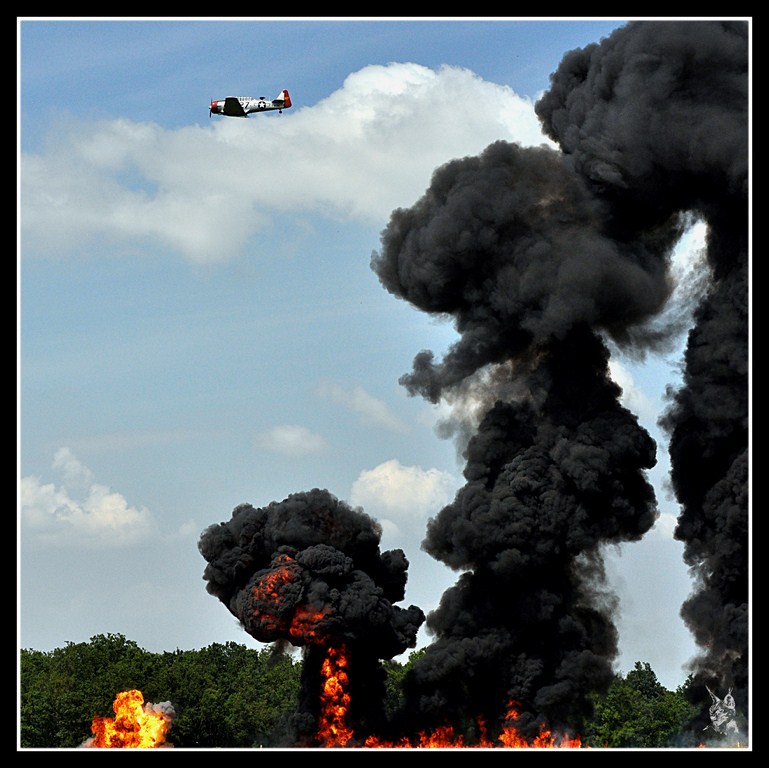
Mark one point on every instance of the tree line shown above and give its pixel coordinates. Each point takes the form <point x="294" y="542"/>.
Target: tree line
<point x="229" y="695"/>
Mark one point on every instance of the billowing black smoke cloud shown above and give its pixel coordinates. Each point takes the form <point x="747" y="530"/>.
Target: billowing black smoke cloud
<point x="539" y="256"/>
<point x="308" y="571"/>
<point x="681" y="143"/>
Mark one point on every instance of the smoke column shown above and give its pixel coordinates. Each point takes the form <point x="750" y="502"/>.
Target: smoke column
<point x="540" y="257"/>
<point x="308" y="571"/>
<point x="682" y="144"/>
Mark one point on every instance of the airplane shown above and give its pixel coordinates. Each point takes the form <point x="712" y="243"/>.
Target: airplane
<point x="242" y="106"/>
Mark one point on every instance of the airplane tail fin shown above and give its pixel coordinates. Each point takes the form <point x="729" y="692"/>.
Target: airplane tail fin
<point x="285" y="98"/>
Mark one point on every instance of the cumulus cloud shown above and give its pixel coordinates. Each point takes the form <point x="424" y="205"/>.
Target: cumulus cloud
<point x="79" y="511"/>
<point x="402" y="498"/>
<point x="195" y="190"/>
<point x="372" y="411"/>
<point x="290" y="440"/>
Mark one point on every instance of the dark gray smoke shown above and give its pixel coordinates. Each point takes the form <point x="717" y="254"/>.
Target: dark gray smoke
<point x="682" y="144"/>
<point x="308" y="571"/>
<point x="539" y="256"/>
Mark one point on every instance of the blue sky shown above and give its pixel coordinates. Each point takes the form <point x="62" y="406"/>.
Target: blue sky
<point x="199" y="324"/>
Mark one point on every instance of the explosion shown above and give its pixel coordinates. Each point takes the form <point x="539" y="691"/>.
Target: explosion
<point x="542" y="258"/>
<point x="309" y="571"/>
<point x="136" y="725"/>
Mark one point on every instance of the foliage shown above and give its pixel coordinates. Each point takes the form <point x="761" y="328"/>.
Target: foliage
<point x="394" y="681"/>
<point x="637" y="712"/>
<point x="223" y="695"/>
<point x="233" y="696"/>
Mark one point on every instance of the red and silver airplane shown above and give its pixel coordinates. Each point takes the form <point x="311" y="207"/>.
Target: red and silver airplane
<point x="243" y="106"/>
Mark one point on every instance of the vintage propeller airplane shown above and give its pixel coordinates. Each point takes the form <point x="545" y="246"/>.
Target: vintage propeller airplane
<point x="242" y="106"/>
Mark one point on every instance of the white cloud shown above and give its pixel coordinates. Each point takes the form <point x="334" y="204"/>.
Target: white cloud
<point x="290" y="440"/>
<point x="79" y="512"/>
<point x="373" y="412"/>
<point x="633" y="397"/>
<point x="403" y="497"/>
<point x="205" y="191"/>
<point x="74" y="471"/>
<point x="689" y="253"/>
<point x="665" y="526"/>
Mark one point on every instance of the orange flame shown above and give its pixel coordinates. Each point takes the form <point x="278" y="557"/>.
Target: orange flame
<point x="332" y="728"/>
<point x="302" y="626"/>
<point x="444" y="737"/>
<point x="135" y="726"/>
<point x="510" y="737"/>
<point x="270" y="583"/>
<point x="268" y="591"/>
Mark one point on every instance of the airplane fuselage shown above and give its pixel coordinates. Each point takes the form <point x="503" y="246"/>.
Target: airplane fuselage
<point x="242" y="106"/>
<point x="250" y="104"/>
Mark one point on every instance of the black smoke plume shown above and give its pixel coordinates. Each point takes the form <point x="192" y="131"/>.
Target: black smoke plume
<point x="542" y="257"/>
<point x="308" y="571"/>
<point x="682" y="144"/>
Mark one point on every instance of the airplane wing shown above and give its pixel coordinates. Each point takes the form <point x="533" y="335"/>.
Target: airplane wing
<point x="233" y="108"/>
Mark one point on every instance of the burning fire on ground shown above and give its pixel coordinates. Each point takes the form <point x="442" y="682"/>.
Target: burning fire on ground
<point x="333" y="592"/>
<point x="136" y="725"/>
<point x="333" y="730"/>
